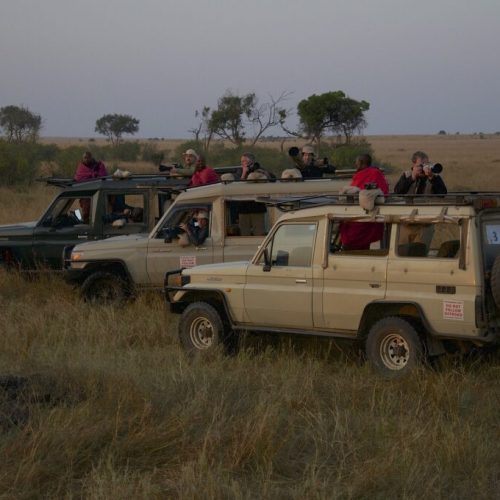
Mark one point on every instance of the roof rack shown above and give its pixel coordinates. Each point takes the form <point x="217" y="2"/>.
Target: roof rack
<point x="479" y="200"/>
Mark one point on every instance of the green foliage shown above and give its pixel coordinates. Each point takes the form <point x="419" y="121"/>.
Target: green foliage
<point x="20" y="162"/>
<point x="126" y="151"/>
<point x="332" y="111"/>
<point x="227" y="120"/>
<point x="344" y="155"/>
<point x="151" y="153"/>
<point x="233" y="113"/>
<point x="113" y="126"/>
<point x="20" y="124"/>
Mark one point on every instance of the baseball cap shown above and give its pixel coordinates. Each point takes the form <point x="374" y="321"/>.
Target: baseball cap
<point x="308" y="149"/>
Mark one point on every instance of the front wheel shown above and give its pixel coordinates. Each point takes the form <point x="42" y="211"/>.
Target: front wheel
<point x="104" y="288"/>
<point x="393" y="347"/>
<point x="201" y="329"/>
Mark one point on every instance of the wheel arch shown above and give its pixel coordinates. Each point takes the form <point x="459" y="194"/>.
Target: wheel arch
<point x="216" y="298"/>
<point x="111" y="266"/>
<point x="411" y="311"/>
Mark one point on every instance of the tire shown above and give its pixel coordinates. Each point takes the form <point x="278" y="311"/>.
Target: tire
<point x="104" y="288"/>
<point x="495" y="281"/>
<point x="201" y="329"/>
<point x="393" y="347"/>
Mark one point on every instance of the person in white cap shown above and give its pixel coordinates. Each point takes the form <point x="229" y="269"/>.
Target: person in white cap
<point x="189" y="158"/>
<point x="310" y="168"/>
<point x="197" y="234"/>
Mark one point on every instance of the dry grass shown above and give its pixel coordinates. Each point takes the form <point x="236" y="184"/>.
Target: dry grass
<point x="114" y="409"/>
<point x="111" y="408"/>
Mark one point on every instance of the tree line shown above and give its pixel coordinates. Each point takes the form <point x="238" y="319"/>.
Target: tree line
<point x="237" y="118"/>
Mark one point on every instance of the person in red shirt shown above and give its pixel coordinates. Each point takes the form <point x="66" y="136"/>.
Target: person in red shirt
<point x="359" y="235"/>
<point x="89" y="168"/>
<point x="203" y="174"/>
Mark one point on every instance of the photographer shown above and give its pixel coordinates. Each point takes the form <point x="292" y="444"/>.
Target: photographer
<point x="423" y="178"/>
<point x="309" y="166"/>
<point x="197" y="233"/>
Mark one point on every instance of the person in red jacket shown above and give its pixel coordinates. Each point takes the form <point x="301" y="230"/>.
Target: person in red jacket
<point x="359" y="235"/>
<point x="203" y="174"/>
<point x="89" y="168"/>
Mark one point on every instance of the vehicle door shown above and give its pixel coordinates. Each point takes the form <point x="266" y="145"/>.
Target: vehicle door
<point x="278" y="293"/>
<point x="68" y="221"/>
<point x="169" y="249"/>
<point x="246" y="222"/>
<point x="428" y="267"/>
<point x="352" y="278"/>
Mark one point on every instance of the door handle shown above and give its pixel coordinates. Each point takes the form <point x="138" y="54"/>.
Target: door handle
<point x="375" y="285"/>
<point x="300" y="281"/>
<point x="201" y="248"/>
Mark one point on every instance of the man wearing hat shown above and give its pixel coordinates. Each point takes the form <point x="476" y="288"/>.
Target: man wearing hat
<point x="310" y="168"/>
<point x="198" y="233"/>
<point x="189" y="158"/>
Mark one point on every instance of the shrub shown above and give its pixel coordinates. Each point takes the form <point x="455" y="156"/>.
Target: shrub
<point x="20" y="162"/>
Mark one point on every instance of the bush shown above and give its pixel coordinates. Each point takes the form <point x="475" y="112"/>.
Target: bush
<point x="151" y="153"/>
<point x="125" y="151"/>
<point x="20" y="163"/>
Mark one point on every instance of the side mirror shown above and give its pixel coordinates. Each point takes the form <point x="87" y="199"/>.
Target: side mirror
<point x="267" y="262"/>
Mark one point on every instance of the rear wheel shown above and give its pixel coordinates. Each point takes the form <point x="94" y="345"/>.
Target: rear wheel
<point x="201" y="329"/>
<point x="394" y="347"/>
<point x="104" y="288"/>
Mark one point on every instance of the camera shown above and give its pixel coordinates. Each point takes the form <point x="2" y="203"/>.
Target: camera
<point x="167" y="168"/>
<point x="436" y="168"/>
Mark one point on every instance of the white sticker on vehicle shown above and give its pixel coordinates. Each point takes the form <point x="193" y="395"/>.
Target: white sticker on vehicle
<point x="453" y="309"/>
<point x="187" y="261"/>
<point x="493" y="234"/>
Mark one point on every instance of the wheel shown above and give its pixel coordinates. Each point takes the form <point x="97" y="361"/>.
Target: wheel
<point x="201" y="329"/>
<point x="394" y="347"/>
<point x="495" y="281"/>
<point x="104" y="288"/>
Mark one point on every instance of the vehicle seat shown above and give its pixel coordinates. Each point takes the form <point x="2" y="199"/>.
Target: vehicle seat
<point x="449" y="249"/>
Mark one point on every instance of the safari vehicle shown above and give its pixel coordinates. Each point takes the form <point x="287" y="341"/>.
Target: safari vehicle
<point x="111" y="270"/>
<point x="430" y="285"/>
<point x="87" y="211"/>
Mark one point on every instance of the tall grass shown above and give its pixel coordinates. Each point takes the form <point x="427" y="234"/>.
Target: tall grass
<point x="111" y="407"/>
<point x="105" y="405"/>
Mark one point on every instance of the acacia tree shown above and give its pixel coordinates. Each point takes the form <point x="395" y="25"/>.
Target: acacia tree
<point x="235" y="113"/>
<point x="113" y="126"/>
<point x="331" y="111"/>
<point x="20" y="124"/>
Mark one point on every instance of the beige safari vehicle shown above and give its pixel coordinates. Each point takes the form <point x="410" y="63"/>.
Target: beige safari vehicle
<point x="429" y="284"/>
<point x="109" y="270"/>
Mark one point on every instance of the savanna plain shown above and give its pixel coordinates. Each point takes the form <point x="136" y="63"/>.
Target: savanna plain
<point x="102" y="403"/>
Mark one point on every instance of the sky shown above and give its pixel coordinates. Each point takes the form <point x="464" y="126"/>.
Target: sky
<point x="424" y="66"/>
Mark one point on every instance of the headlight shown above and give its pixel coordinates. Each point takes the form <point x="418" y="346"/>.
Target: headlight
<point x="181" y="280"/>
<point x="76" y="256"/>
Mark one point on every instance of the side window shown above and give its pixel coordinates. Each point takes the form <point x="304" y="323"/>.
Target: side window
<point x="187" y="226"/>
<point x="439" y="240"/>
<point x="359" y="238"/>
<point x="292" y="245"/>
<point x="69" y="212"/>
<point x="246" y="218"/>
<point x="123" y="208"/>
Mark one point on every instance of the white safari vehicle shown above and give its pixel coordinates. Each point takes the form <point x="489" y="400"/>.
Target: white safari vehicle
<point x="112" y="268"/>
<point x="429" y="284"/>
